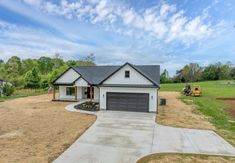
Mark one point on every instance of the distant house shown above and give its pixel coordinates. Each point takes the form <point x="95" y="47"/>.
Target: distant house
<point x="127" y="87"/>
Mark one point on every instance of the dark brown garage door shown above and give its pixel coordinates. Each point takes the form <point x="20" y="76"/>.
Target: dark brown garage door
<point x="138" y="102"/>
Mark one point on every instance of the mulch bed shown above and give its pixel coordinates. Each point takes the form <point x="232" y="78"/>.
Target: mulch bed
<point x="88" y="106"/>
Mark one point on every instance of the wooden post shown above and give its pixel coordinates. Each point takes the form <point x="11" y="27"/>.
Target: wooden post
<point x="91" y="93"/>
<point x="53" y="92"/>
<point x="76" y="94"/>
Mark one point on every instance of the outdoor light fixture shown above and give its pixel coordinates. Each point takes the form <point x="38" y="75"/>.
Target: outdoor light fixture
<point x="151" y="97"/>
<point x="103" y="95"/>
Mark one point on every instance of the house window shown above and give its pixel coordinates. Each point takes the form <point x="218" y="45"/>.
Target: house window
<point x="127" y="74"/>
<point x="70" y="91"/>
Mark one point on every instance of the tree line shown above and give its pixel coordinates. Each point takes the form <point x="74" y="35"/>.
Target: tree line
<point x="38" y="73"/>
<point x="193" y="72"/>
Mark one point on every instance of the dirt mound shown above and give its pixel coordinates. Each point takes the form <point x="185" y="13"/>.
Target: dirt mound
<point x="231" y="103"/>
<point x="225" y="98"/>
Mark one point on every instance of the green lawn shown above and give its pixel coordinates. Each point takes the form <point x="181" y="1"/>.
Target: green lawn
<point x="209" y="106"/>
<point x="23" y="93"/>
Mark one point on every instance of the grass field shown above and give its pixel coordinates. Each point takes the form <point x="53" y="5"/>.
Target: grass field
<point x="185" y="158"/>
<point x="216" y="111"/>
<point x="23" y="93"/>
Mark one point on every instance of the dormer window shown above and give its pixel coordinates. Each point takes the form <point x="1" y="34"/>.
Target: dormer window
<point x="127" y="74"/>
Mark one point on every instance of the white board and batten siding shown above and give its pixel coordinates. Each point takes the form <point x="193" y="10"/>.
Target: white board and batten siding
<point x="68" y="77"/>
<point x="81" y="83"/>
<point x="96" y="93"/>
<point x="135" y="79"/>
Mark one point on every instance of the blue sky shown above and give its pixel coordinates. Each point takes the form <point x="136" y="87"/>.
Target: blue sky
<point x="166" y="32"/>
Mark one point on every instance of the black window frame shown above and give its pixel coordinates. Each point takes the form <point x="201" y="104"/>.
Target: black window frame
<point x="70" y="91"/>
<point x="127" y="74"/>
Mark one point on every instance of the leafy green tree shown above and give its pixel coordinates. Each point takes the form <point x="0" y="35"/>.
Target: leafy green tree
<point x="211" y="73"/>
<point x="189" y="73"/>
<point x="71" y="63"/>
<point x="17" y="81"/>
<point x="164" y="77"/>
<point x="57" y="61"/>
<point x="45" y="65"/>
<point x="32" y="79"/>
<point x="232" y="73"/>
<point x="224" y="71"/>
<point x="13" y="66"/>
<point x="29" y="64"/>
<point x="45" y="81"/>
<point x="8" y="89"/>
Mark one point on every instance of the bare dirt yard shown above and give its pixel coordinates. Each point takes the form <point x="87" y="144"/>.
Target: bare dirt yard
<point x="178" y="114"/>
<point x="35" y="129"/>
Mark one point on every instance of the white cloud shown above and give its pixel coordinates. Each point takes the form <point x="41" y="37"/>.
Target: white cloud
<point x="166" y="9"/>
<point x="33" y="2"/>
<point x="6" y="25"/>
<point x="50" y="7"/>
<point x="28" y="42"/>
<point x="163" y="21"/>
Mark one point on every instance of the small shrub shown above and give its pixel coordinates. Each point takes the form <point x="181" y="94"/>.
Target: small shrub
<point x="8" y="89"/>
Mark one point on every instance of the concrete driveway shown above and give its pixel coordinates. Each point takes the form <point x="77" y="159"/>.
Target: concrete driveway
<point x="120" y="137"/>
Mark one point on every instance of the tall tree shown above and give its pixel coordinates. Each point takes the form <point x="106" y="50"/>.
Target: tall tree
<point x="29" y="64"/>
<point x="190" y="72"/>
<point x="13" y="66"/>
<point x="1" y="62"/>
<point x="232" y="73"/>
<point x="32" y="79"/>
<point x="211" y="73"/>
<point x="57" y="61"/>
<point x="45" y="64"/>
<point x="164" y="77"/>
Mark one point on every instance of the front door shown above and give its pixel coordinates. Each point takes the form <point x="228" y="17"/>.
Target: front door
<point x="90" y="91"/>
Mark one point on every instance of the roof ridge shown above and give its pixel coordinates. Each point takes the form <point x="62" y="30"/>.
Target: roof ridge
<point x="115" y="65"/>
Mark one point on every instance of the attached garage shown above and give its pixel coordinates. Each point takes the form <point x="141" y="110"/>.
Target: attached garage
<point x="128" y="99"/>
<point x="138" y="102"/>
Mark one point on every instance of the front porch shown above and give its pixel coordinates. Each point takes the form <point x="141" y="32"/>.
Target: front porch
<point x="76" y="93"/>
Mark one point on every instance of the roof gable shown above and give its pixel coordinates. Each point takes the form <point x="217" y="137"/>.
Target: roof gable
<point x="68" y="77"/>
<point x="150" y="72"/>
<point x="81" y="82"/>
<point x="135" y="78"/>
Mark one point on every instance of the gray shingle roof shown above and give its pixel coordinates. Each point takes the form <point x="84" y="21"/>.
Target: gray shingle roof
<point x="151" y="71"/>
<point x="96" y="74"/>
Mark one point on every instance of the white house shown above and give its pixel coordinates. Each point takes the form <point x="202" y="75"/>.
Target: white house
<point x="124" y="88"/>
